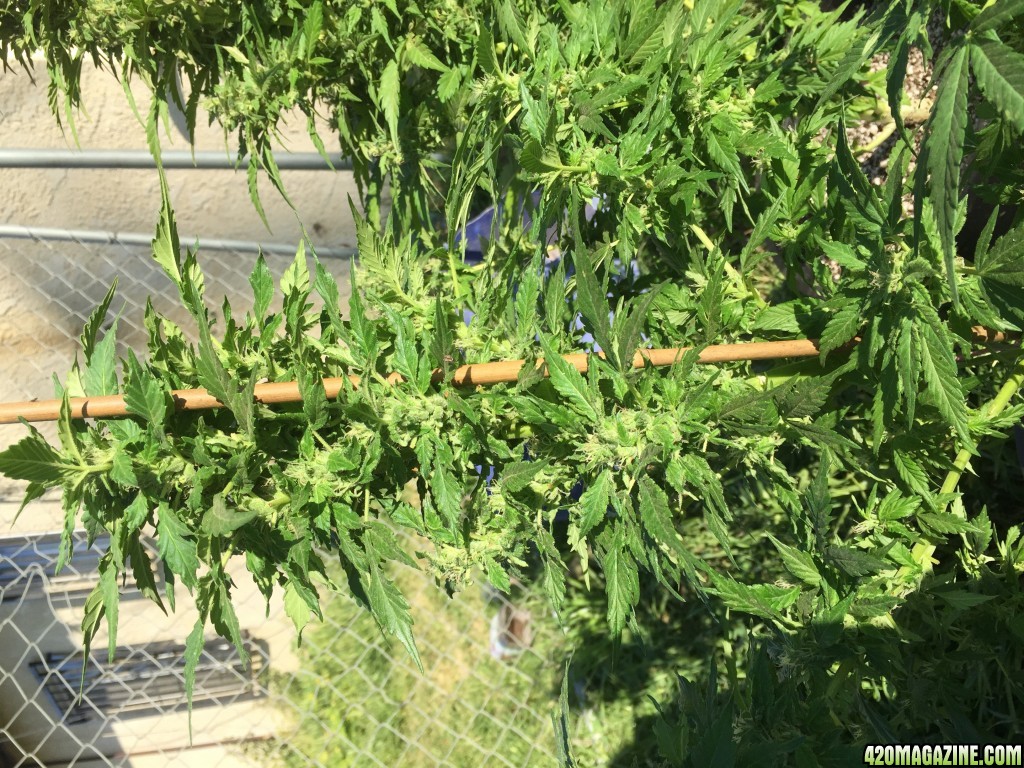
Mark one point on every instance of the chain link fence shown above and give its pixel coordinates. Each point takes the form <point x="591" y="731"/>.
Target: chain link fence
<point x="345" y="696"/>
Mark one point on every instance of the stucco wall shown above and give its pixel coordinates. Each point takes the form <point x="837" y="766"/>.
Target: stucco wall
<point x="211" y="203"/>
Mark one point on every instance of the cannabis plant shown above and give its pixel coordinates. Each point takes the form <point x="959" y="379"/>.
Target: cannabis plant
<point x="659" y="175"/>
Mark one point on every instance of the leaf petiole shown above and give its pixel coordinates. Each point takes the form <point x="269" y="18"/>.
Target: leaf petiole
<point x="995" y="407"/>
<point x="923" y="551"/>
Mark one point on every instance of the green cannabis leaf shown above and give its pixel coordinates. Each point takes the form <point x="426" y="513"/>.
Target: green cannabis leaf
<point x="544" y="180"/>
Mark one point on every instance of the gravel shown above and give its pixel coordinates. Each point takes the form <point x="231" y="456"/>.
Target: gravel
<point x="918" y="95"/>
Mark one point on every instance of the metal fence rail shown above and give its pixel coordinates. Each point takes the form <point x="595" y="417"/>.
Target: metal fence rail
<point x="143" y="240"/>
<point x="114" y="159"/>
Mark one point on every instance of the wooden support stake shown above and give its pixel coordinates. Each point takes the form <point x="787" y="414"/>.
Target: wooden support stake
<point x="477" y="374"/>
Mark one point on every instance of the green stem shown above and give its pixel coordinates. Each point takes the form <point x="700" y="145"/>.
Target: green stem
<point x="924" y="551"/>
<point x="284" y="416"/>
<point x="453" y="270"/>
<point x="320" y="440"/>
<point x="995" y="407"/>
<point x="374" y="187"/>
<point x="879" y="139"/>
<point x="225" y="556"/>
<point x="280" y="500"/>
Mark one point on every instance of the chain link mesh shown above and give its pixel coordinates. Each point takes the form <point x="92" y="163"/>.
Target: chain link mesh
<point x="345" y="696"/>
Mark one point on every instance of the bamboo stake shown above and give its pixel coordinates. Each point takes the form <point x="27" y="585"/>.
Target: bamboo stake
<point x="477" y="374"/>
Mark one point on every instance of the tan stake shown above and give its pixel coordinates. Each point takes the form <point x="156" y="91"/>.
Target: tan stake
<point x="477" y="374"/>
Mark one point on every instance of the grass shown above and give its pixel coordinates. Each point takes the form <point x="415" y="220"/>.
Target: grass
<point x="358" y="700"/>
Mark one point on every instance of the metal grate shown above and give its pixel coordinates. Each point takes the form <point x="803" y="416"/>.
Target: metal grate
<point x="146" y="679"/>
<point x="19" y="554"/>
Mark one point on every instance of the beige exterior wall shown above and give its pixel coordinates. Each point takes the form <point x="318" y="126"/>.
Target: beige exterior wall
<point x="210" y="203"/>
<point x="38" y="326"/>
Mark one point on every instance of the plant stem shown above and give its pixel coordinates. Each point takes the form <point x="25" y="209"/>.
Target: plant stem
<point x="994" y="408"/>
<point x="878" y="141"/>
<point x="225" y="556"/>
<point x="453" y="270"/>
<point x="374" y="185"/>
<point x="911" y="116"/>
<point x="924" y="551"/>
